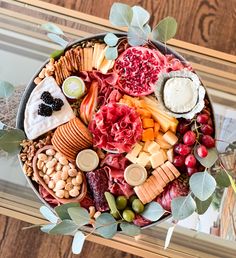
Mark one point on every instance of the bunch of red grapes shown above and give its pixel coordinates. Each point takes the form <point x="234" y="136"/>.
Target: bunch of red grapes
<point x="196" y="133"/>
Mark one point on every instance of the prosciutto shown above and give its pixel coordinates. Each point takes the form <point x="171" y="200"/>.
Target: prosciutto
<point x="116" y="127"/>
<point x="48" y="197"/>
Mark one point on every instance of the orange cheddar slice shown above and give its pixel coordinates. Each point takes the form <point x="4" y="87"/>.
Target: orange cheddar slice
<point x="140" y="194"/>
<point x="163" y="175"/>
<point x="159" y="179"/>
<point x="173" y="169"/>
<point x="168" y="172"/>
<point x="147" y="187"/>
<point x="157" y="184"/>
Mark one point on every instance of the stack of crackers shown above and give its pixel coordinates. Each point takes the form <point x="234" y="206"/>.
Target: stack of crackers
<point x="77" y="59"/>
<point x="71" y="137"/>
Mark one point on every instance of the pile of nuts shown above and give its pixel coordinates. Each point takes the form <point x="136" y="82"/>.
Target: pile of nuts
<point x="29" y="149"/>
<point x="59" y="174"/>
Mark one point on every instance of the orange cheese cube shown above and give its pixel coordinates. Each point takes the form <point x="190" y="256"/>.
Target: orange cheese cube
<point x="147" y="123"/>
<point x="144" y="113"/>
<point x="156" y="128"/>
<point x="148" y="135"/>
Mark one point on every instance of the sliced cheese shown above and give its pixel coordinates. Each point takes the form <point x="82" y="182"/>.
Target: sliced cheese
<point x="101" y="55"/>
<point x="173" y="169"/>
<point x="143" y="158"/>
<point x="168" y="172"/>
<point x="170" y="137"/>
<point x="95" y="54"/>
<point x="106" y="65"/>
<point x="170" y="155"/>
<point x="140" y="194"/>
<point x="149" y="190"/>
<point x="153" y="147"/>
<point x="146" y="193"/>
<point x="159" y="179"/>
<point x="158" y="185"/>
<point x="163" y="175"/>
<point x="36" y="125"/>
<point x="152" y="185"/>
<point x="157" y="159"/>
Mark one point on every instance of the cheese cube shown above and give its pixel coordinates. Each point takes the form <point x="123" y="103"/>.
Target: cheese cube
<point x="163" y="143"/>
<point x="136" y="150"/>
<point x="131" y="158"/>
<point x="157" y="159"/>
<point x="164" y="154"/>
<point x="143" y="158"/>
<point x="170" y="137"/>
<point x="146" y="145"/>
<point x="170" y="155"/>
<point x="153" y="147"/>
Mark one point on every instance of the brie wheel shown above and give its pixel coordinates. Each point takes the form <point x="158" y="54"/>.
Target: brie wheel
<point x="180" y="94"/>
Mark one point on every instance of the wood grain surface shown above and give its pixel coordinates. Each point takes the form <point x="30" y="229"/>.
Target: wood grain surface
<point x="209" y="23"/>
<point x="18" y="243"/>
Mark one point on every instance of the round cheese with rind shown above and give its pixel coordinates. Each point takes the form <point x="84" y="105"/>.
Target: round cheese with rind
<point x="135" y="174"/>
<point x="87" y="160"/>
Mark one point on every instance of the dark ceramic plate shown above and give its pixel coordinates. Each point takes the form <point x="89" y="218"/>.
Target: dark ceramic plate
<point x="31" y="85"/>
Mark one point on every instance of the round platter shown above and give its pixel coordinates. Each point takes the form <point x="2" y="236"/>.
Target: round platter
<point x="21" y="111"/>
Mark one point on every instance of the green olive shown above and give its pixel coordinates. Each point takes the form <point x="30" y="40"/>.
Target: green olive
<point x="132" y="198"/>
<point x="116" y="215"/>
<point x="121" y="202"/>
<point x="128" y="215"/>
<point x="137" y="206"/>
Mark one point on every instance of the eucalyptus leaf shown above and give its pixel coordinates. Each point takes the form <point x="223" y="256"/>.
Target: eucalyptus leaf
<point x="165" y="29"/>
<point x="210" y="159"/>
<point x="79" y="215"/>
<point x="62" y="210"/>
<point x="153" y="211"/>
<point x="11" y="139"/>
<point x="111" y="53"/>
<point x="111" y="39"/>
<point x="120" y="14"/>
<point x="138" y="36"/>
<point x="130" y="229"/>
<point x="57" y="53"/>
<point x="232" y="181"/>
<point x="48" y="214"/>
<point x="169" y="236"/>
<point x="222" y="179"/>
<point x="6" y="89"/>
<point x="78" y="242"/>
<point x="66" y="227"/>
<point x="47" y="228"/>
<point x="2" y="132"/>
<point x="202" y="185"/>
<point x="58" y="40"/>
<point x="2" y="125"/>
<point x="51" y="27"/>
<point x="202" y="206"/>
<point x="182" y="207"/>
<point x="106" y="225"/>
<point x="111" y="202"/>
<point x="140" y="16"/>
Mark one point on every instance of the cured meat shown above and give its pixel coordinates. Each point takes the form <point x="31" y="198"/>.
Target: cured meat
<point x="117" y="161"/>
<point x="98" y="184"/>
<point x="116" y="127"/>
<point x="141" y="221"/>
<point x="48" y="197"/>
<point x="87" y="202"/>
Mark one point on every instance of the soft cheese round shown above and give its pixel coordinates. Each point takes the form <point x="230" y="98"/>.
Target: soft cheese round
<point x="180" y="94"/>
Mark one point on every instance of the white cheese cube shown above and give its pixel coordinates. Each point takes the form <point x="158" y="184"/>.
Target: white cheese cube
<point x="170" y="137"/>
<point x="157" y="159"/>
<point x="131" y="158"/>
<point x="143" y="158"/>
<point x="170" y="155"/>
<point x="136" y="150"/>
<point x="146" y="145"/>
<point x="164" y="154"/>
<point x="153" y="147"/>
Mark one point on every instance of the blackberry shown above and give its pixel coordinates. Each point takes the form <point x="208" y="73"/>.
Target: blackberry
<point x="44" y="110"/>
<point x="47" y="97"/>
<point x="57" y="104"/>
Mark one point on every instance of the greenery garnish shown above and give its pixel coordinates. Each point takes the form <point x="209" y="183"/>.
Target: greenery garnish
<point x="136" y="20"/>
<point x="6" y="89"/>
<point x="153" y="211"/>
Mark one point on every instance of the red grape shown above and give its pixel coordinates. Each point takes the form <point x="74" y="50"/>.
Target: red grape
<point x="202" y="118"/>
<point x="208" y="141"/>
<point x="202" y="151"/>
<point x="183" y="127"/>
<point x="191" y="171"/>
<point x="178" y="161"/>
<point x="182" y="149"/>
<point x="189" y="138"/>
<point x="190" y="161"/>
<point x="206" y="129"/>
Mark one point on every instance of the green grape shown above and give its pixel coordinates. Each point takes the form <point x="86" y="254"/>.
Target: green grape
<point x="137" y="206"/>
<point x="132" y="198"/>
<point x="121" y="202"/>
<point x="128" y="215"/>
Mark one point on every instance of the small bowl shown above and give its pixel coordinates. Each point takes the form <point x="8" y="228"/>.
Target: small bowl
<point x="77" y="199"/>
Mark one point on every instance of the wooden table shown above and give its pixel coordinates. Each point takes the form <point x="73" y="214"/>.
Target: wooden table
<point x="24" y="46"/>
